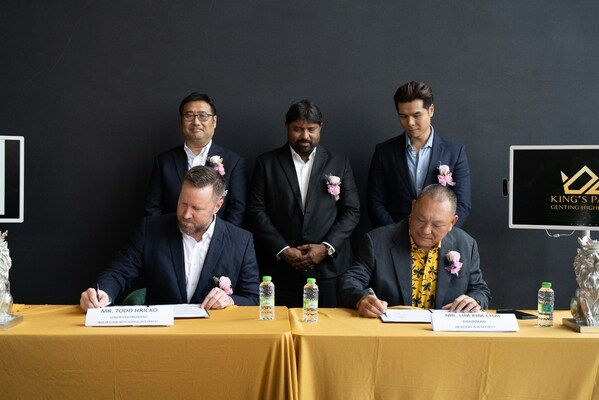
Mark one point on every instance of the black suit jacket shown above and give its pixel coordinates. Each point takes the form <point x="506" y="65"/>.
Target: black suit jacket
<point x="167" y="178"/>
<point x="384" y="263"/>
<point x="156" y="250"/>
<point x="276" y="218"/>
<point x="391" y="191"/>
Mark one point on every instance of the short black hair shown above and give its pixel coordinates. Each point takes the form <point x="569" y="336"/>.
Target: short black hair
<point x="197" y="96"/>
<point x="303" y="109"/>
<point x="411" y="91"/>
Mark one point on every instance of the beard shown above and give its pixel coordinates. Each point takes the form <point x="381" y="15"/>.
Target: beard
<point x="303" y="147"/>
<point x="191" y="229"/>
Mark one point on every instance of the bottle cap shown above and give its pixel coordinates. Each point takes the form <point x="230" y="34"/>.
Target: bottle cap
<point x="266" y="278"/>
<point x="311" y="280"/>
<point x="546" y="284"/>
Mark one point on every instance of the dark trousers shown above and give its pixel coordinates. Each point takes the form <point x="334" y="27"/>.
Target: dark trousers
<point x="290" y="293"/>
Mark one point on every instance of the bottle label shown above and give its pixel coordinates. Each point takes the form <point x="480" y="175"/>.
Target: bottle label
<point x="267" y="302"/>
<point x="547" y="308"/>
<point x="311" y="303"/>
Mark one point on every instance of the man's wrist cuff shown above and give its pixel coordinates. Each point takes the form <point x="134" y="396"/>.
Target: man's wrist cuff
<point x="330" y="249"/>
<point x="281" y="251"/>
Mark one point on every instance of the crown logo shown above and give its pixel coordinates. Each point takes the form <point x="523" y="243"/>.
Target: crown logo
<point x="592" y="183"/>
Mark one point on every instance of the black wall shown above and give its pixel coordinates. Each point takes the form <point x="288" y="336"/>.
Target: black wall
<point x="94" y="88"/>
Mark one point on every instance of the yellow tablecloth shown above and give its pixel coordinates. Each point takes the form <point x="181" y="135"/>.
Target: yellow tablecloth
<point x="344" y="356"/>
<point x="231" y="355"/>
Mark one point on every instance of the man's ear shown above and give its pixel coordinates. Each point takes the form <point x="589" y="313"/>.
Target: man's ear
<point x="219" y="204"/>
<point x="454" y="221"/>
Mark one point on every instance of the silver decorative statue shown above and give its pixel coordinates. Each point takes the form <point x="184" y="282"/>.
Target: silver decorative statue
<point x="5" y="296"/>
<point x="585" y="303"/>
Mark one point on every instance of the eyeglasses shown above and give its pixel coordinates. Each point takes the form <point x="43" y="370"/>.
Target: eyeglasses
<point x="202" y="116"/>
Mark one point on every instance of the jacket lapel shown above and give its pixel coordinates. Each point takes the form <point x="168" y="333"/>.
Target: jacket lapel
<point x="178" y="260"/>
<point x="443" y="276"/>
<point x="286" y="162"/>
<point x="180" y="161"/>
<point x="215" y="150"/>
<point x="401" y="162"/>
<point x="213" y="256"/>
<point x="436" y="160"/>
<point x="402" y="262"/>
<point x="317" y="175"/>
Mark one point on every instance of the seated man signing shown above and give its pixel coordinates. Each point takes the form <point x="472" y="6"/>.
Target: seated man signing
<point x="423" y="261"/>
<point x="192" y="256"/>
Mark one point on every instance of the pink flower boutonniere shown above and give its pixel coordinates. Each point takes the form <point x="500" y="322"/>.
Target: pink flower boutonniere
<point x="444" y="176"/>
<point x="454" y="258"/>
<point x="217" y="163"/>
<point x="223" y="283"/>
<point x="333" y="186"/>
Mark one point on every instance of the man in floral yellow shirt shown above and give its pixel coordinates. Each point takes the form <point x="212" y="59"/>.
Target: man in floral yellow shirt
<point x="423" y="261"/>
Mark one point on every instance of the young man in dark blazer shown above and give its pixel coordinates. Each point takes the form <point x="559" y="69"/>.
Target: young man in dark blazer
<point x="302" y="209"/>
<point x="423" y="261"/>
<point x="198" y="122"/>
<point x="189" y="257"/>
<point x="405" y="164"/>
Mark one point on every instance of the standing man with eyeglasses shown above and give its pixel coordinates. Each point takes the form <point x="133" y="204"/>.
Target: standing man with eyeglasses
<point x="198" y="122"/>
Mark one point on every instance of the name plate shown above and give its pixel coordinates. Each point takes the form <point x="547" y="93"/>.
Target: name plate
<point x="130" y="316"/>
<point x="474" y="322"/>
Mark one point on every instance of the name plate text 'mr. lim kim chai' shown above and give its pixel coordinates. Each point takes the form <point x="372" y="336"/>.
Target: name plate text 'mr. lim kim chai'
<point x="474" y="322"/>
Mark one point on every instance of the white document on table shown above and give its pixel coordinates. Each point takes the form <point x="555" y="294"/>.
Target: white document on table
<point x="187" y="310"/>
<point x="415" y="315"/>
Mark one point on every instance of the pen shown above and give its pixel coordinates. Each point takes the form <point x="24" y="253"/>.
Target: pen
<point x="371" y="292"/>
<point x="98" y="291"/>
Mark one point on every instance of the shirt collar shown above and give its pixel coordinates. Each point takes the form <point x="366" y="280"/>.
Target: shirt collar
<point x="207" y="235"/>
<point x="295" y="155"/>
<point x="203" y="152"/>
<point x="427" y="144"/>
<point x="414" y="247"/>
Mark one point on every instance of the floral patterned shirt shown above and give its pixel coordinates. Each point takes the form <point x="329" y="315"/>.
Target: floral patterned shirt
<point x="424" y="275"/>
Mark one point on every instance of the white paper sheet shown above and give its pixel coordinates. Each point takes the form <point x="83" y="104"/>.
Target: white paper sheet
<point x="416" y="315"/>
<point x="187" y="310"/>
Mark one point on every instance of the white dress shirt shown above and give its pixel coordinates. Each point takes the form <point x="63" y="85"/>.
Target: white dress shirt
<point x="195" y="254"/>
<point x="303" y="170"/>
<point x="194" y="160"/>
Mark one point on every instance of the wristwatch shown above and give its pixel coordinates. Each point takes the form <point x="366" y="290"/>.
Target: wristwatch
<point x="330" y="249"/>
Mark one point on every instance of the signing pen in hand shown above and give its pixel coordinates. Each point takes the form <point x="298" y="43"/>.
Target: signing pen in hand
<point x="371" y="292"/>
<point x="98" y="292"/>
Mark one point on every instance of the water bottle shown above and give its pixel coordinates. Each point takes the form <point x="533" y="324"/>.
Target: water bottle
<point x="545" y="305"/>
<point x="310" y="311"/>
<point x="267" y="299"/>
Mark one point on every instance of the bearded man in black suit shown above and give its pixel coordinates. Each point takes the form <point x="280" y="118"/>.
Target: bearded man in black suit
<point x="302" y="209"/>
